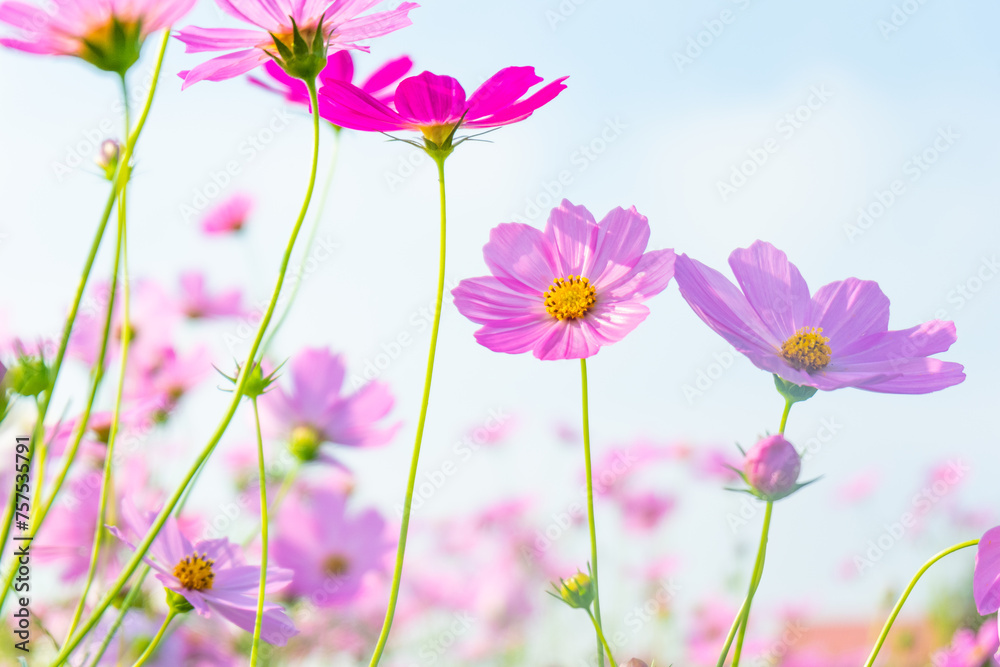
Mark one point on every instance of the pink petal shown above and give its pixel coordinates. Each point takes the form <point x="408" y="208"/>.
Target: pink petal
<point x="920" y="341"/>
<point x="986" y="576"/>
<point x="649" y="277"/>
<point x="198" y="40"/>
<point x="428" y="99"/>
<point x="489" y="301"/>
<point x="501" y="90"/>
<point x="848" y="310"/>
<point x="387" y="75"/>
<point x="612" y="322"/>
<point x="568" y="339"/>
<point x="373" y="25"/>
<point x="773" y="287"/>
<point x="225" y="67"/>
<point x="621" y="241"/>
<point x="521" y="257"/>
<point x="523" y="109"/>
<point x="572" y="231"/>
<point x="353" y="108"/>
<point x="516" y="337"/>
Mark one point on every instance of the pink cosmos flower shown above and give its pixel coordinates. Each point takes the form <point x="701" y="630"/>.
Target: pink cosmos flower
<point x="105" y="33"/>
<point x="643" y="511"/>
<point x="196" y="302"/>
<point x="329" y="552"/>
<point x="565" y="292"/>
<point x="380" y="84"/>
<point x="434" y="105"/>
<point x="837" y="338"/>
<point x="228" y="216"/>
<point x="315" y="411"/>
<point x="210" y="574"/>
<point x="280" y="20"/>
<point x="970" y="649"/>
<point x="986" y="577"/>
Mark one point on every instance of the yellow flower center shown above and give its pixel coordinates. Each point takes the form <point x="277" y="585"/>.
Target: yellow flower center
<point x="807" y="349"/>
<point x="195" y="572"/>
<point x="336" y="565"/>
<point x="570" y="298"/>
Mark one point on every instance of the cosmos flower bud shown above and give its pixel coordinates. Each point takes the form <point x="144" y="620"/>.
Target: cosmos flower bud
<point x="107" y="157"/>
<point x="772" y="467"/>
<point x="28" y="377"/>
<point x="577" y="591"/>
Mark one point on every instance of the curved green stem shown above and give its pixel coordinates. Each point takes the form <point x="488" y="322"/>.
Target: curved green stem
<point x="758" y="573"/>
<point x="310" y="241"/>
<point x="906" y="593"/>
<point x="126" y="334"/>
<point x="156" y="640"/>
<point x="255" y="647"/>
<point x="397" y="573"/>
<point x="600" y="637"/>
<point x="590" y="508"/>
<point x="127" y="603"/>
<point x="142" y="547"/>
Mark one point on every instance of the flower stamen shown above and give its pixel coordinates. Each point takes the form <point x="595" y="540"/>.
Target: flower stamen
<point x="570" y="297"/>
<point x="807" y="350"/>
<point x="195" y="572"/>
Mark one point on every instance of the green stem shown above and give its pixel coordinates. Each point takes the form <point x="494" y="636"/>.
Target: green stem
<point x="906" y="593"/>
<point x="156" y="640"/>
<point x="758" y="573"/>
<point x="397" y="573"/>
<point x="121" y="247"/>
<point x="115" y="418"/>
<point x="590" y="508"/>
<point x="600" y="636"/>
<point x="784" y="416"/>
<point x="310" y="241"/>
<point x="127" y="603"/>
<point x="130" y="567"/>
<point x="737" y="624"/>
<point x="263" y="537"/>
<point x="286" y="486"/>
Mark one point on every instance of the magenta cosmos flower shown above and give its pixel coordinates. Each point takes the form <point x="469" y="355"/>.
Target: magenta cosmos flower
<point x="315" y="411"/>
<point x="228" y="216"/>
<point x="837" y="338"/>
<point x="284" y="26"/>
<point x="210" y="574"/>
<point x="380" y="84"/>
<point x="329" y="552"/>
<point x="565" y="292"/>
<point x="434" y="104"/>
<point x="105" y="33"/>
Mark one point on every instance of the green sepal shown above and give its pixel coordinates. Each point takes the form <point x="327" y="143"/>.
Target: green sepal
<point x="178" y="602"/>
<point x="793" y="393"/>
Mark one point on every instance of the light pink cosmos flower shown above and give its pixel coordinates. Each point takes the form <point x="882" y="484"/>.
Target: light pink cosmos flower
<point x="644" y="510"/>
<point x="565" y="292"/>
<point x="197" y="303"/>
<point x="380" y="84"/>
<point x="228" y="216"/>
<point x="986" y="577"/>
<point x="837" y="338"/>
<point x="434" y="105"/>
<point x="105" y="33"/>
<point x="329" y="552"/>
<point x="315" y="411"/>
<point x="210" y="574"/>
<point x="343" y="27"/>
<point x="970" y="649"/>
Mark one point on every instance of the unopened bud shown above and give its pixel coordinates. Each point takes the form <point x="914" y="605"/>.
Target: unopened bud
<point x="577" y="591"/>
<point x="304" y="443"/>
<point x="107" y="157"/>
<point x="772" y="467"/>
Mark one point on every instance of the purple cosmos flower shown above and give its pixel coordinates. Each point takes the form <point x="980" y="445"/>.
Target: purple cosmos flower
<point x="986" y="578"/>
<point x="380" y="84"/>
<point x="105" y="33"/>
<point x="837" y="338"/>
<point x="434" y="104"/>
<point x="280" y="21"/>
<point x="970" y="649"/>
<point x="329" y="552"/>
<point x="565" y="292"/>
<point x="197" y="303"/>
<point x="210" y="574"/>
<point x="315" y="411"/>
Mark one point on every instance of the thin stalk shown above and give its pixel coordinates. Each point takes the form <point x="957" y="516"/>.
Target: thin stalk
<point x="156" y="640"/>
<point x="784" y="416"/>
<point x="906" y="593"/>
<point x="255" y="647"/>
<point x="397" y="573"/>
<point x="590" y="509"/>
<point x="758" y="573"/>
<point x="600" y="636"/>
<point x="126" y="334"/>
<point x="130" y="567"/>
